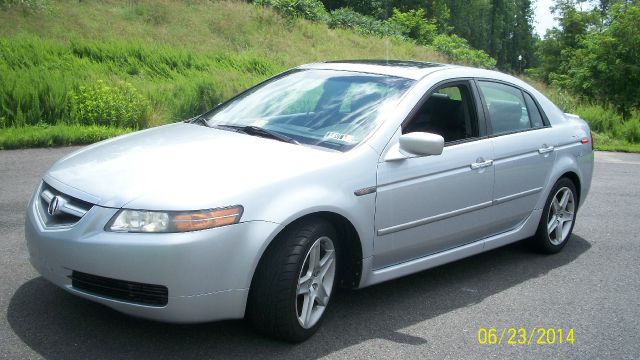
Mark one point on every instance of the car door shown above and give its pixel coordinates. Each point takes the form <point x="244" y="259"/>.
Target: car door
<point x="429" y="204"/>
<point x="524" y="153"/>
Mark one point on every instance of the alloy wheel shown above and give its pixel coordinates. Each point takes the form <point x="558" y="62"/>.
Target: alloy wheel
<point x="561" y="216"/>
<point x="315" y="282"/>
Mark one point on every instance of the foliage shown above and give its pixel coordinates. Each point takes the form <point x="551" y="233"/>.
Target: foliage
<point x="595" y="54"/>
<point x="603" y="119"/>
<point x="307" y="9"/>
<point x="345" y="18"/>
<point x="441" y="15"/>
<point x="118" y="104"/>
<point x="607" y="62"/>
<point x="459" y="50"/>
<point x="413" y="24"/>
<point x="501" y="28"/>
<point x="378" y="9"/>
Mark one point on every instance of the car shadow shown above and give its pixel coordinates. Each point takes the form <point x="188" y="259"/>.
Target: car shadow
<point x="59" y="325"/>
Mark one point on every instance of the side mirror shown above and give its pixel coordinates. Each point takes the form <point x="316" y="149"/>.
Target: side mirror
<point x="421" y="143"/>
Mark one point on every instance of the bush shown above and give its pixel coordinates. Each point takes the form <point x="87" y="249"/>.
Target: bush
<point x="414" y="25"/>
<point x="307" y="9"/>
<point x="457" y="49"/>
<point x="346" y="18"/>
<point x="119" y="104"/>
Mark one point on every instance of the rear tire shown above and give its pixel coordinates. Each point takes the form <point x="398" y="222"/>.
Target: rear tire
<point x="558" y="218"/>
<point x="293" y="283"/>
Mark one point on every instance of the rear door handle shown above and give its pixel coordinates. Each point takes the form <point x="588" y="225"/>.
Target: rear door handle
<point x="546" y="149"/>
<point x="480" y="165"/>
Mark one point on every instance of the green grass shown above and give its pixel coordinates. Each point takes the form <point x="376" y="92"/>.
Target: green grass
<point x="55" y="135"/>
<point x="604" y="142"/>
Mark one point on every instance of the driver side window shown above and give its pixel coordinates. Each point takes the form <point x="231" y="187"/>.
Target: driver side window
<point x="448" y="112"/>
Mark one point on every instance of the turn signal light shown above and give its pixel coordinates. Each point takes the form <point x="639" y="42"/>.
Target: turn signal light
<point x="207" y="219"/>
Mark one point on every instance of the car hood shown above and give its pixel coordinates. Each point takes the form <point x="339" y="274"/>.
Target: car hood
<point x="182" y="167"/>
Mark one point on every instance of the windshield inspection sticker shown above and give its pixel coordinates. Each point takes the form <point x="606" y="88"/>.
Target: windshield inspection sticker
<point x="345" y="138"/>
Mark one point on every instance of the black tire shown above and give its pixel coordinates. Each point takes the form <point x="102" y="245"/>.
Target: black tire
<point x="272" y="307"/>
<point x="551" y="242"/>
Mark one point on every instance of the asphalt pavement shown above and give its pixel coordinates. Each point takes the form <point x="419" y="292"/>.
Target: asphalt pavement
<point x="592" y="287"/>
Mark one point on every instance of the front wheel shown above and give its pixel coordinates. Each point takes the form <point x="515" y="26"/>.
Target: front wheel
<point x="558" y="218"/>
<point x="294" y="281"/>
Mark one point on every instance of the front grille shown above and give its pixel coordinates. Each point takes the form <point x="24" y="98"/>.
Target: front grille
<point x="127" y="291"/>
<point x="67" y="210"/>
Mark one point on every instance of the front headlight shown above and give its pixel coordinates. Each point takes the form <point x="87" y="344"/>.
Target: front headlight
<point x="145" y="221"/>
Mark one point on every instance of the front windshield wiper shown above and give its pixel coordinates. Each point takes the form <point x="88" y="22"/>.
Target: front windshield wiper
<point x="258" y="131"/>
<point x="198" y="120"/>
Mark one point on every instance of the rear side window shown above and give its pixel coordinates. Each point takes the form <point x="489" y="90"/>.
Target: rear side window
<point x="506" y="105"/>
<point x="534" y="112"/>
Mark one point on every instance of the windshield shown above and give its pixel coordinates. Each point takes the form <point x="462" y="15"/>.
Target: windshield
<point x="327" y="108"/>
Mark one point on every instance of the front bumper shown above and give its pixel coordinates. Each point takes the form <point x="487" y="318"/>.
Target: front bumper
<point x="208" y="273"/>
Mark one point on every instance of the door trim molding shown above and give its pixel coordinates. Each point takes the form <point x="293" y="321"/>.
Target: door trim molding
<point x="434" y="218"/>
<point x="516" y="196"/>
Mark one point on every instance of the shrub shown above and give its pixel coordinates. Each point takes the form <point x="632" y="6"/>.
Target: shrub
<point x="119" y="104"/>
<point x="307" y="9"/>
<point x="459" y="50"/>
<point x="346" y="18"/>
<point x="414" y="25"/>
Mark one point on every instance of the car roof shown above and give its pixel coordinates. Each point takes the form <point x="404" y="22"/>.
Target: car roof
<point x="402" y="68"/>
<point x="414" y="70"/>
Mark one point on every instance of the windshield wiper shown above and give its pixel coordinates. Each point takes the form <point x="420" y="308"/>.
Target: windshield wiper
<point x="258" y="131"/>
<point x="198" y="120"/>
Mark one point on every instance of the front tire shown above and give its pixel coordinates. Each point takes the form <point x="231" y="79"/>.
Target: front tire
<point x="558" y="218"/>
<point x="294" y="281"/>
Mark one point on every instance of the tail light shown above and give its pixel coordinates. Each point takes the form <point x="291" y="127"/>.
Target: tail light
<point x="586" y="140"/>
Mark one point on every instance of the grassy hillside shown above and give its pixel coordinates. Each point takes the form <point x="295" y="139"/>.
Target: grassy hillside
<point x="176" y="59"/>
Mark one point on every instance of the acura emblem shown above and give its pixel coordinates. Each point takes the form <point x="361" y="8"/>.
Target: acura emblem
<point x="54" y="206"/>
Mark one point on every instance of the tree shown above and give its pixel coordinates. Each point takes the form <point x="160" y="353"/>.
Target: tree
<point x="606" y="63"/>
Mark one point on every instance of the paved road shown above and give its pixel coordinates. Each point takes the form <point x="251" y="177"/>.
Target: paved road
<point x="593" y="286"/>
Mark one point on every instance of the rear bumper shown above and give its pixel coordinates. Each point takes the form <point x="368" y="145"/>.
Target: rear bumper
<point x="207" y="273"/>
<point x="586" y="163"/>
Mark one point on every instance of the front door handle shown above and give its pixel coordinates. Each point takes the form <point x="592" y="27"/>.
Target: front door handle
<point x="481" y="164"/>
<point x="546" y="149"/>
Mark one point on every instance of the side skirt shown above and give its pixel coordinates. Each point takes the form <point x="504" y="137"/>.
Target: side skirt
<point x="526" y="229"/>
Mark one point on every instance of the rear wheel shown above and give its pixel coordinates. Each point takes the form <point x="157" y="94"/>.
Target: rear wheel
<point x="558" y="218"/>
<point x="294" y="282"/>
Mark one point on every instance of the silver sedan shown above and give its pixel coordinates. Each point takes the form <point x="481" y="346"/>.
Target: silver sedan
<point x="334" y="174"/>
